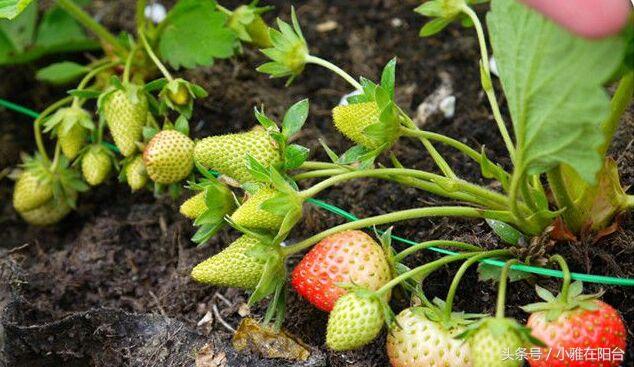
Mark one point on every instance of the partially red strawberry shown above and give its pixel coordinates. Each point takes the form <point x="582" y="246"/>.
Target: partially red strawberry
<point x="346" y="257"/>
<point x="579" y="322"/>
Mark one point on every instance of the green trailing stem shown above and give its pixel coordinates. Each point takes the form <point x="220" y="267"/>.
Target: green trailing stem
<point x="526" y="218"/>
<point x="90" y="75"/>
<point x="438" y="159"/>
<point x="486" y="81"/>
<point x="87" y="21"/>
<point x="453" y="288"/>
<point x="501" y="301"/>
<point x="155" y="59"/>
<point x="424" y="269"/>
<point x="334" y="68"/>
<point x="456" y="144"/>
<point x="460" y="185"/>
<point x="566" y="272"/>
<point x="440" y="211"/>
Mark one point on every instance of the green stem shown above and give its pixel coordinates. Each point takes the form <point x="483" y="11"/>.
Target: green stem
<point x="56" y="157"/>
<point x="460" y="185"/>
<point x="515" y="204"/>
<point x="87" y="21"/>
<point x="438" y="159"/>
<point x="308" y="165"/>
<point x="141" y="21"/>
<point x="38" y="122"/>
<point x="451" y="294"/>
<point x="486" y="81"/>
<point x="155" y="59"/>
<point x="618" y="105"/>
<point x="440" y="211"/>
<point x="499" y="309"/>
<point x="566" y="273"/>
<point x="562" y="197"/>
<point x="435" y="243"/>
<point x="426" y="268"/>
<point x="334" y="68"/>
<point x="128" y="66"/>
<point x="224" y="10"/>
<point x="463" y="148"/>
<point x="319" y="173"/>
<point x="91" y="74"/>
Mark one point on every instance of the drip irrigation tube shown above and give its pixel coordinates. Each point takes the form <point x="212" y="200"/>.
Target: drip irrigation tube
<point x="589" y="278"/>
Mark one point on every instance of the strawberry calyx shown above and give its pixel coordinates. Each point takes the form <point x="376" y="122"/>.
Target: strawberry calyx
<point x="454" y="322"/>
<point x="372" y="119"/>
<point x="219" y="203"/>
<point x="246" y="21"/>
<point x="569" y="299"/>
<point x="500" y="327"/>
<point x="289" y="52"/>
<point x="64" y="181"/>
<point x="179" y="95"/>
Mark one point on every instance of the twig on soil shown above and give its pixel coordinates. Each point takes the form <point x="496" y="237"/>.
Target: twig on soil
<point x="221" y="320"/>
<point x="18" y="249"/>
<point x="158" y="303"/>
<point x="223" y="299"/>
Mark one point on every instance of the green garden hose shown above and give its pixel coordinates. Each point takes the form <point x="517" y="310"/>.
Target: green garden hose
<point x="589" y="278"/>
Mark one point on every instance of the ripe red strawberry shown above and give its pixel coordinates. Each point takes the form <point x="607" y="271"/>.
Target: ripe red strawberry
<point x="417" y="341"/>
<point x="346" y="257"/>
<point x="169" y="157"/>
<point x="356" y="320"/>
<point x="594" y="325"/>
<point x="126" y="112"/>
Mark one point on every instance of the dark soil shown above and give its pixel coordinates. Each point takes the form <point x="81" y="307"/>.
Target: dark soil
<point x="122" y="257"/>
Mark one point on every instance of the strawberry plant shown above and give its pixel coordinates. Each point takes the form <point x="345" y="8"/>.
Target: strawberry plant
<point x="559" y="184"/>
<point x="133" y="90"/>
<point x="560" y="181"/>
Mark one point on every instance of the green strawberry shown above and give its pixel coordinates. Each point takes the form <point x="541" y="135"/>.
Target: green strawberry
<point x="33" y="189"/>
<point x="355" y="321"/>
<point x="419" y="342"/>
<point x="250" y="215"/>
<point x="135" y="173"/>
<point x="351" y="120"/>
<point x="258" y="30"/>
<point x="71" y="126"/>
<point x="47" y="214"/>
<point x="169" y="157"/>
<point x="96" y="164"/>
<point x="126" y="112"/>
<point x="193" y="207"/>
<point x="227" y="153"/>
<point x="232" y="267"/>
<point x="490" y="341"/>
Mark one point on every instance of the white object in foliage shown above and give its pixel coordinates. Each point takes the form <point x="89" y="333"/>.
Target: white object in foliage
<point x="155" y="12"/>
<point x="493" y="66"/>
<point x="448" y="106"/>
<point x="344" y="100"/>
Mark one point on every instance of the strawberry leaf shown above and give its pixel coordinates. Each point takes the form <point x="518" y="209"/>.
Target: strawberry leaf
<point x="388" y="77"/>
<point x="12" y="8"/>
<point x="556" y="113"/>
<point x="294" y="156"/>
<point x="506" y="232"/>
<point x="61" y="73"/>
<point x="295" y="118"/>
<point x="195" y="34"/>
